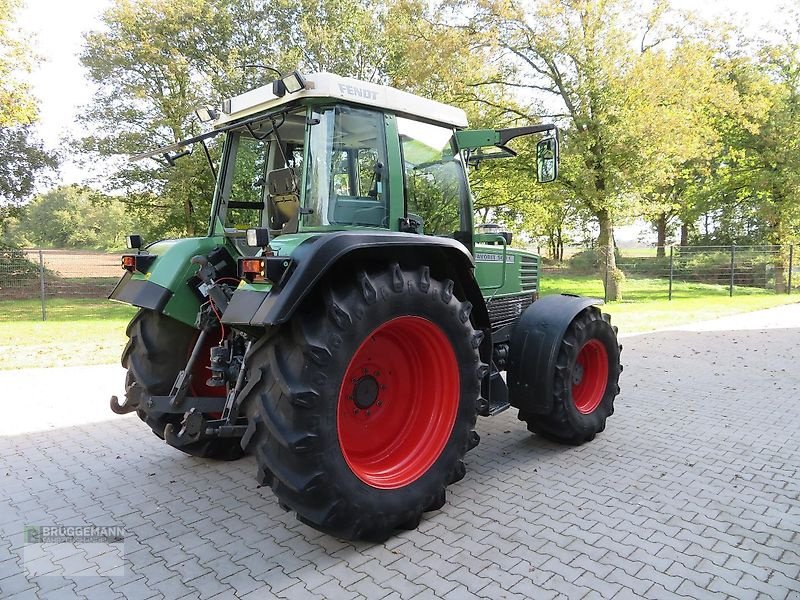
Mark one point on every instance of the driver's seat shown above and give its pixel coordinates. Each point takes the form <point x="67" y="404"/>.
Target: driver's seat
<point x="284" y="199"/>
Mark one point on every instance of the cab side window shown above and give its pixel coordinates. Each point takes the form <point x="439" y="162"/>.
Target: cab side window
<point x="434" y="177"/>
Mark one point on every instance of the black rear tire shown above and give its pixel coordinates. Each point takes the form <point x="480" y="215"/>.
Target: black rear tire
<point x="297" y="401"/>
<point x="576" y="417"/>
<point x="157" y="349"/>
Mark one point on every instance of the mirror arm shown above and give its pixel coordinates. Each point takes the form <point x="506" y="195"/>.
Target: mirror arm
<point x="506" y="135"/>
<point x="506" y="149"/>
<point x="171" y="158"/>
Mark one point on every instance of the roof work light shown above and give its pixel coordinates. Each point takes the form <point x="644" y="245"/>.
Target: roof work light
<point x="205" y="114"/>
<point x="289" y="84"/>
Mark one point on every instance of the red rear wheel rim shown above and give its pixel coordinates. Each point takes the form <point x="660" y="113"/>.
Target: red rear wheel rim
<point x="201" y="373"/>
<point x="590" y="376"/>
<point x="398" y="402"/>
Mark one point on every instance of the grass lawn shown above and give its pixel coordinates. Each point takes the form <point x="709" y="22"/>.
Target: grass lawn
<point x="91" y="332"/>
<point x="645" y="306"/>
<point x="77" y="332"/>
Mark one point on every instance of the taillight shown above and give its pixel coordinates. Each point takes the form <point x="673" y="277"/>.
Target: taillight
<point x="137" y="262"/>
<point x="253" y="269"/>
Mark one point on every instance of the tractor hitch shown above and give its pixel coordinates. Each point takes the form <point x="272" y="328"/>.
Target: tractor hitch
<point x="121" y="409"/>
<point x="192" y="428"/>
<point x="133" y="397"/>
<point x="195" y="428"/>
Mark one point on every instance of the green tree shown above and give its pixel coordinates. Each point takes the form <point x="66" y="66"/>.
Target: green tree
<point x="762" y="166"/>
<point x="24" y="162"/>
<point x="74" y="217"/>
<point x="154" y="62"/>
<point x="17" y="105"/>
<point x="627" y="100"/>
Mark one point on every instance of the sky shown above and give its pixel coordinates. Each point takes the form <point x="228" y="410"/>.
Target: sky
<point x="56" y="29"/>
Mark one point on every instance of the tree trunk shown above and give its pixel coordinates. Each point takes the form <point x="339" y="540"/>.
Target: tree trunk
<point x="661" y="235"/>
<point x="684" y="235"/>
<point x="781" y="260"/>
<point x="559" y="244"/>
<point x="612" y="277"/>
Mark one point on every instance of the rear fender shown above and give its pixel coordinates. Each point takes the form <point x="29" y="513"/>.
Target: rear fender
<point x="534" y="348"/>
<point x="163" y="287"/>
<point x="335" y="255"/>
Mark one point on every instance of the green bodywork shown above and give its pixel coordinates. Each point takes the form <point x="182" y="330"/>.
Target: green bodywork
<point x="173" y="268"/>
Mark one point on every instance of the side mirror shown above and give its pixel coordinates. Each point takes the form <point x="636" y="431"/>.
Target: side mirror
<point x="547" y="160"/>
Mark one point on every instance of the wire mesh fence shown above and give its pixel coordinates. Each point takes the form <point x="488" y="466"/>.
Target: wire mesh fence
<point x="688" y="271"/>
<point x="40" y="276"/>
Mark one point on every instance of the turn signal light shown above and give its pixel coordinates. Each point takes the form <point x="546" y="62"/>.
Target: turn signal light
<point x="253" y="269"/>
<point x="129" y="263"/>
<point x="137" y="262"/>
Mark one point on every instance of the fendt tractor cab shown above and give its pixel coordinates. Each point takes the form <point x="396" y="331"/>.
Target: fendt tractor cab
<point x="344" y="320"/>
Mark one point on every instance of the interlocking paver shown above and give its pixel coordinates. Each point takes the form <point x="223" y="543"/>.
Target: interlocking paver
<point x="686" y="494"/>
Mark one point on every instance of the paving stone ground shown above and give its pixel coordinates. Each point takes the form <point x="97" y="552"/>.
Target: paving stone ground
<point x="692" y="491"/>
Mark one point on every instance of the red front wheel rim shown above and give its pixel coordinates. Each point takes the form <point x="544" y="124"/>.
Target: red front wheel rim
<point x="590" y="376"/>
<point x="398" y="402"/>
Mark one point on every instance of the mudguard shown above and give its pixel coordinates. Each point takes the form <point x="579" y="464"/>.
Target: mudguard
<point x="534" y="348"/>
<point x="318" y="255"/>
<point x="141" y="293"/>
<point x="163" y="287"/>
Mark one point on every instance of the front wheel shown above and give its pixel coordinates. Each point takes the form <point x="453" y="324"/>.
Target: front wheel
<point x="585" y="382"/>
<point x="364" y="405"/>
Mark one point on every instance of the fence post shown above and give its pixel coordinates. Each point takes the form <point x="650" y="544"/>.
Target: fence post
<point x="41" y="285"/>
<point x="733" y="258"/>
<point x="791" y="262"/>
<point x="605" y="283"/>
<point x="671" y="251"/>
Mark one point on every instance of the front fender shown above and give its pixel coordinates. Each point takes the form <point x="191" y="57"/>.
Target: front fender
<point x="534" y="348"/>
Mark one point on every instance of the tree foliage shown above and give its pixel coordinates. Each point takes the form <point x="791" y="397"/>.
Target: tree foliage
<point x="17" y="106"/>
<point x="24" y="162"/>
<point x="157" y="60"/>
<point x="662" y="117"/>
<point x="632" y="93"/>
<point x="72" y="217"/>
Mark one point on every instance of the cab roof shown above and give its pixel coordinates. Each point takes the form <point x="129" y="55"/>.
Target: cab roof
<point x="328" y="85"/>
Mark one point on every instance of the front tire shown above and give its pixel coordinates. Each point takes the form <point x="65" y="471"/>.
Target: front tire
<point x="362" y="407"/>
<point x="585" y="383"/>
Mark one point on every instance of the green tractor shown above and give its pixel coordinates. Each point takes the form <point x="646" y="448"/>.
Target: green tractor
<point x="344" y="321"/>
